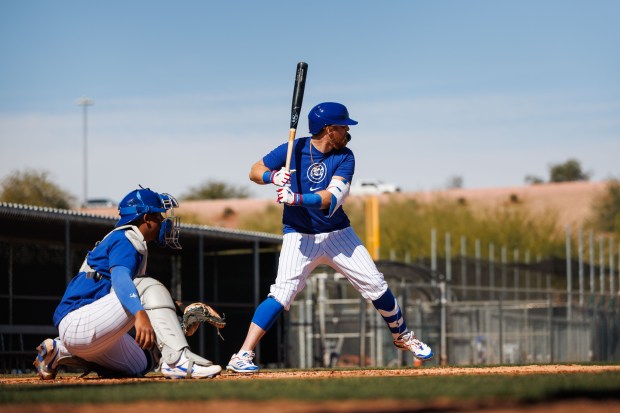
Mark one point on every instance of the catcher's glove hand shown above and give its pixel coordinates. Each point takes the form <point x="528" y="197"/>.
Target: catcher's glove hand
<point x="197" y="313"/>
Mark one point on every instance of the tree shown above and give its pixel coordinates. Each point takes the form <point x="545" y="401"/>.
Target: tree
<point x="534" y="180"/>
<point x="32" y="187"/>
<point x="215" y="190"/>
<point x="607" y="208"/>
<point x="568" y="171"/>
<point x="455" y="182"/>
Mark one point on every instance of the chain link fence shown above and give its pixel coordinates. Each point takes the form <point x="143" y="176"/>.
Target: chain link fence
<point x="330" y="325"/>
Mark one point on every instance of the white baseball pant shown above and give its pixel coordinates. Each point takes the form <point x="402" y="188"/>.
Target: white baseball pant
<point x="98" y="331"/>
<point x="342" y="250"/>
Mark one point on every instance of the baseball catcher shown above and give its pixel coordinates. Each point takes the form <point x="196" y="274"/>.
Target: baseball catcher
<point x="111" y="295"/>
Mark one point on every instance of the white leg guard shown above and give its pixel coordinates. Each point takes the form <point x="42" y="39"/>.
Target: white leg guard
<point x="160" y="308"/>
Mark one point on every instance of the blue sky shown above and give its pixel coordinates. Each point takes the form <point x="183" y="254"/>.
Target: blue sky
<point x="190" y="91"/>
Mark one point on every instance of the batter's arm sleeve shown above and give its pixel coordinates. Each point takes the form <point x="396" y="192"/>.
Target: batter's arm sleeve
<point x="327" y="196"/>
<point x="125" y="289"/>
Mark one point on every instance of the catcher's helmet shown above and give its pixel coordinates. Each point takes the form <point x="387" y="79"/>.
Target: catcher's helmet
<point x="145" y="201"/>
<point x="328" y="113"/>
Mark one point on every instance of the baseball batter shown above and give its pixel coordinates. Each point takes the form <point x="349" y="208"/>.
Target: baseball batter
<point x="317" y="230"/>
<point x="111" y="295"/>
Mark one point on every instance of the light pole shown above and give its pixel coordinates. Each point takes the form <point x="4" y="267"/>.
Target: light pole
<point x="85" y="103"/>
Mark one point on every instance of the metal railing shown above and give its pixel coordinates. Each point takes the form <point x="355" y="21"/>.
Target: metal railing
<point x="462" y="325"/>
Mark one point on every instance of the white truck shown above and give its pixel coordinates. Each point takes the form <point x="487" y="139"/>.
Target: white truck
<point x="371" y="187"/>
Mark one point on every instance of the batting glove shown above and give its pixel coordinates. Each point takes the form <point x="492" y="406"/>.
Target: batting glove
<point x="279" y="178"/>
<point x="288" y="197"/>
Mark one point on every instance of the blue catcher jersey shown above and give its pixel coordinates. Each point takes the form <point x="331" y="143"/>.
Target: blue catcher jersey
<point x="313" y="172"/>
<point x="114" y="250"/>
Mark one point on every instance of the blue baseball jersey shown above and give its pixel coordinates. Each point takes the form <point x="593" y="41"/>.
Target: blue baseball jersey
<point x="114" y="250"/>
<point x="313" y="172"/>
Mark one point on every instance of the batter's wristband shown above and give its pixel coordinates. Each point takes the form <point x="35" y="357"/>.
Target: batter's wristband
<point x="268" y="176"/>
<point x="309" y="200"/>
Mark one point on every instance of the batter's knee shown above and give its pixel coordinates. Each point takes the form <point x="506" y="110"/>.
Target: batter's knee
<point x="375" y="291"/>
<point x="285" y="293"/>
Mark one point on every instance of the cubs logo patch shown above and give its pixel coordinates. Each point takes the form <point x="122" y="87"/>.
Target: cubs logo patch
<point x="317" y="172"/>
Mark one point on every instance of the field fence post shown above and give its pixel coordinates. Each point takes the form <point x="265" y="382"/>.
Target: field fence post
<point x="527" y="275"/>
<point x="500" y="304"/>
<point x="448" y="258"/>
<point x="363" y="311"/>
<point x="463" y="267"/>
<point x="612" y="287"/>
<point x="403" y="300"/>
<point x="569" y="275"/>
<point x="478" y="271"/>
<point x="591" y="256"/>
<point x="433" y="257"/>
<point x="526" y="314"/>
<point x="569" y="297"/>
<point x="443" y="300"/>
<point x="550" y="318"/>
<point x="302" y="330"/>
<point x="580" y="259"/>
<point x="492" y="271"/>
<point x="601" y="257"/>
<point x="309" y="326"/>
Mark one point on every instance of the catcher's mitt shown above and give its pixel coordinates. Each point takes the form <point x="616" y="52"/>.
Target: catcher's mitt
<point x="197" y="313"/>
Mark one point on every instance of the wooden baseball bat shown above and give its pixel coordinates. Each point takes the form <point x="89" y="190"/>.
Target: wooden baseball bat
<point x="298" y="97"/>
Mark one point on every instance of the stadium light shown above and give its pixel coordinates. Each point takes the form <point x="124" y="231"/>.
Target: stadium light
<point x="85" y="103"/>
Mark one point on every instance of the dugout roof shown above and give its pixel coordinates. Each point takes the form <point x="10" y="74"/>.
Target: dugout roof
<point x="32" y="224"/>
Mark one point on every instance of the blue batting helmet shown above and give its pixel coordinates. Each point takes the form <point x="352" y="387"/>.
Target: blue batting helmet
<point x="328" y="113"/>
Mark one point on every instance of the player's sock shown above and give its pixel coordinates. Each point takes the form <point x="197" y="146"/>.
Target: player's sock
<point x="391" y="313"/>
<point x="267" y="313"/>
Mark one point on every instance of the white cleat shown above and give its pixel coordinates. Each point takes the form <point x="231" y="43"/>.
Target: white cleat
<point x="407" y="342"/>
<point x="243" y="362"/>
<point x="187" y="369"/>
<point x="47" y="355"/>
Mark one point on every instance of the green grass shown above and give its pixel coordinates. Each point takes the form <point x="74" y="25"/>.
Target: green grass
<point x="527" y="388"/>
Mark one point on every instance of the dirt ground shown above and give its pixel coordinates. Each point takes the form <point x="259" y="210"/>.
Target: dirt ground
<point x="226" y="406"/>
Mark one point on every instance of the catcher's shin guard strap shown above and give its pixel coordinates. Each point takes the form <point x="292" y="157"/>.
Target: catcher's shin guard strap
<point x="190" y="368"/>
<point x="267" y="313"/>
